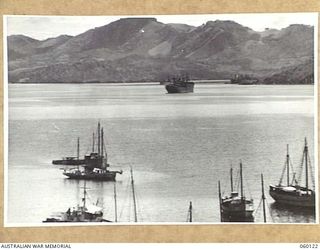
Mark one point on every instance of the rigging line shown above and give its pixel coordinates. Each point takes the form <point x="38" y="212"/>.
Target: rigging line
<point x="256" y="210"/>
<point x="87" y="149"/>
<point x="139" y="206"/>
<point x="104" y="146"/>
<point x="188" y="215"/>
<point x="311" y="170"/>
<point x="130" y="205"/>
<point x="238" y="180"/>
<point x="248" y="187"/>
<point x="125" y="200"/>
<point x="87" y="195"/>
<point x="294" y="179"/>
<point x="139" y="209"/>
<point x="301" y="168"/>
<point x="291" y="165"/>
<point x="283" y="171"/>
<point x="269" y="210"/>
<point x="143" y="214"/>
<point x="127" y="203"/>
<point x="224" y="190"/>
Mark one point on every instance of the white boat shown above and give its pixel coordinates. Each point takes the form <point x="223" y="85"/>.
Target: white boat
<point x="294" y="193"/>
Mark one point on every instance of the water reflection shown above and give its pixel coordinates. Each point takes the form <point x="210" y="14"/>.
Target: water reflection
<point x="179" y="146"/>
<point x="286" y="213"/>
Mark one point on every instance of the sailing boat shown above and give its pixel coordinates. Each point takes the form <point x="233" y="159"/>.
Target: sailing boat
<point x="96" y="165"/>
<point x="235" y="208"/>
<point x="293" y="193"/>
<point x="84" y="213"/>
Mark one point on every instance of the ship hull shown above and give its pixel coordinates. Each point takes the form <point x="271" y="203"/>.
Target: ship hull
<point x="51" y="220"/>
<point x="298" y="198"/>
<point x="108" y="176"/>
<point x="71" y="162"/>
<point x="179" y="88"/>
<point x="237" y="216"/>
<point x="237" y="211"/>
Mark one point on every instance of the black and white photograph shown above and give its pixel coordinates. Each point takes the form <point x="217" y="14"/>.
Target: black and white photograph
<point x="160" y="119"/>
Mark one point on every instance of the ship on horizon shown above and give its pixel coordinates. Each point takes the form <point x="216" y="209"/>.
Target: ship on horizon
<point x="180" y="84"/>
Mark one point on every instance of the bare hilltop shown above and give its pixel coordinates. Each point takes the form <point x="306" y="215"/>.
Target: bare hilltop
<point x="143" y="49"/>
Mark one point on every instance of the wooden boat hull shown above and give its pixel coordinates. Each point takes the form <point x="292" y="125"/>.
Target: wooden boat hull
<point x="299" y="198"/>
<point x="237" y="210"/>
<point x="237" y="217"/>
<point x="108" y="176"/>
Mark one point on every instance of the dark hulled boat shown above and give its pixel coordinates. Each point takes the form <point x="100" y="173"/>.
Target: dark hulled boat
<point x="72" y="161"/>
<point x="96" y="165"/>
<point x="96" y="174"/>
<point x="235" y="207"/>
<point x="179" y="85"/>
<point x="292" y="193"/>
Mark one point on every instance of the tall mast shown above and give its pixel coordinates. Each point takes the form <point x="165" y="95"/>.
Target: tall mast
<point x="78" y="151"/>
<point x="93" y="142"/>
<point x="115" y="202"/>
<point x="231" y="180"/>
<point x="241" y="180"/>
<point x="99" y="138"/>
<point x="219" y="188"/>
<point x="306" y="160"/>
<point x="263" y="200"/>
<point x="102" y="154"/>
<point x="78" y="148"/>
<point x="190" y="211"/>
<point x="288" y="163"/>
<point x="134" y="197"/>
<point x="84" y="195"/>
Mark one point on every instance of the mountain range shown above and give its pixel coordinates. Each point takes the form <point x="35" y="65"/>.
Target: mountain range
<point x="143" y="49"/>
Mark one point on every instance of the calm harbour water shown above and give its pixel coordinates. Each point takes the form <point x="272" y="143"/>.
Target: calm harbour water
<point x="178" y="145"/>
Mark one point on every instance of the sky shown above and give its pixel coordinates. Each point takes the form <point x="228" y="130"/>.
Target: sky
<point x="43" y="27"/>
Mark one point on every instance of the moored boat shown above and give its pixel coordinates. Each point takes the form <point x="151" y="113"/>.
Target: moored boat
<point x="96" y="165"/>
<point x="80" y="213"/>
<point x="179" y="85"/>
<point x="96" y="174"/>
<point x="294" y="193"/>
<point x="235" y="207"/>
